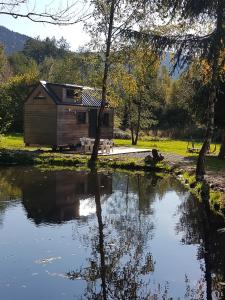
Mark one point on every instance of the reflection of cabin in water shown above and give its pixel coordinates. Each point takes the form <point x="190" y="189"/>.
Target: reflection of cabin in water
<point x="60" y="114"/>
<point x="58" y="196"/>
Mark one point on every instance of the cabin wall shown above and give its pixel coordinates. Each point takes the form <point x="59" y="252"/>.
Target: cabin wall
<point x="69" y="131"/>
<point x="40" y="119"/>
<point x="107" y="132"/>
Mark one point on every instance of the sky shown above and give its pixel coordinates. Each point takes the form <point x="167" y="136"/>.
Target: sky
<point x="74" y="34"/>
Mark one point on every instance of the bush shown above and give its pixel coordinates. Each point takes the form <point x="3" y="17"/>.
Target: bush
<point x="120" y="134"/>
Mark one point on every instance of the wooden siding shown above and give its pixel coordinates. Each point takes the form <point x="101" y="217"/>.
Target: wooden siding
<point x="40" y="119"/>
<point x="68" y="129"/>
<point x="46" y="123"/>
<point x="107" y="132"/>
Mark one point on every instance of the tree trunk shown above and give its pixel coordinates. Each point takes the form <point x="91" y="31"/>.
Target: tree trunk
<point x="222" y="147"/>
<point x="200" y="168"/>
<point x="132" y="134"/>
<point x="138" y="125"/>
<point x="94" y="155"/>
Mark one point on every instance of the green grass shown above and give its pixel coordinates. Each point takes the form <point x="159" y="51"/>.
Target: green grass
<point x="15" y="141"/>
<point x="167" y="146"/>
<point x="12" y="141"/>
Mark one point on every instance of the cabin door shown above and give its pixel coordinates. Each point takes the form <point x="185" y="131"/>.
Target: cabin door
<point x="93" y="115"/>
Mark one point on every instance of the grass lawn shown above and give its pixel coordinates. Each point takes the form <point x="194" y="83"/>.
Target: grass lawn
<point x="15" y="141"/>
<point x="167" y="146"/>
<point x="178" y="147"/>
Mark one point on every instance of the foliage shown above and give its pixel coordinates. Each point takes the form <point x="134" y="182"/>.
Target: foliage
<point x="22" y="64"/>
<point x="38" y="50"/>
<point x="12" y="97"/>
<point x="83" y="68"/>
<point x="134" y="79"/>
<point x="5" y="71"/>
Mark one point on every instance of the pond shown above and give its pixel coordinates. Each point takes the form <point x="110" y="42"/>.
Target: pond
<point x="77" y="235"/>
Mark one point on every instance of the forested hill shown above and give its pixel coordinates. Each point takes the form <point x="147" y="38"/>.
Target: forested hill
<point x="11" y="40"/>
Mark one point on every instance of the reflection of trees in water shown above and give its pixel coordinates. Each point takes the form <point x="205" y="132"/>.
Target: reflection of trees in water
<point x="120" y="261"/>
<point x="199" y="226"/>
<point x="119" y="257"/>
<point x="120" y="264"/>
<point x="9" y="192"/>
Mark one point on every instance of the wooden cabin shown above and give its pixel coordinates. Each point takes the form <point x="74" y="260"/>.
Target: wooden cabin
<point x="58" y="115"/>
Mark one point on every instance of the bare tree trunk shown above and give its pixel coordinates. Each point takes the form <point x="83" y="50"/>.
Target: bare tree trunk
<point x="138" y="125"/>
<point x="132" y="134"/>
<point x="94" y="155"/>
<point x="200" y="168"/>
<point x="222" y="147"/>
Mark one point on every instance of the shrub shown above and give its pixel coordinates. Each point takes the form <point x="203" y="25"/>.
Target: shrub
<point x="120" y="134"/>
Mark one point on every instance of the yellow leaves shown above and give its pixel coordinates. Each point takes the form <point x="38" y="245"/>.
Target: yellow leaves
<point x="122" y="80"/>
<point x="206" y="71"/>
<point x="205" y="68"/>
<point x="131" y="72"/>
<point x="129" y="84"/>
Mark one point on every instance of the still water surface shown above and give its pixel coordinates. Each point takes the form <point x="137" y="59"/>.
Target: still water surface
<point x="75" y="235"/>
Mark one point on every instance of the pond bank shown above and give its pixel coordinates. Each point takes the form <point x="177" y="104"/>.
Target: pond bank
<point x="178" y="165"/>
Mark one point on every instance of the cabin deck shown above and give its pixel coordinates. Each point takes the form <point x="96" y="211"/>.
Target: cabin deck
<point x="125" y="150"/>
<point x="116" y="151"/>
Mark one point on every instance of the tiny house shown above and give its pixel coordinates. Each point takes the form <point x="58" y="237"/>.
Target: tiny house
<point x="58" y="115"/>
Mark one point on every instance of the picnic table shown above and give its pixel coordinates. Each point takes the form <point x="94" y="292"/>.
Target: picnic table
<point x="87" y="145"/>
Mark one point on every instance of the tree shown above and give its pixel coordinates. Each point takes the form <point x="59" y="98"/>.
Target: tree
<point x="219" y="117"/>
<point x="111" y="18"/>
<point x="5" y="70"/>
<point x="38" y="50"/>
<point x="22" y="64"/>
<point x="110" y="9"/>
<point x="12" y="96"/>
<point x="197" y="29"/>
<point x="71" y="13"/>
<point x="135" y="80"/>
<point x="82" y="68"/>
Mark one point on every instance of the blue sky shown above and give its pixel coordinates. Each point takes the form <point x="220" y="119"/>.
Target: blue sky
<point x="74" y="34"/>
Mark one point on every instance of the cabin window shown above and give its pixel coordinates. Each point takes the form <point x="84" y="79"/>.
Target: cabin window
<point x="105" y="121"/>
<point x="81" y="117"/>
<point x="70" y="93"/>
<point x="73" y="94"/>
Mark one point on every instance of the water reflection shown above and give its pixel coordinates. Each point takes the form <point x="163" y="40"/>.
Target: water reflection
<point x="199" y="226"/>
<point x="128" y="227"/>
<point x="61" y="196"/>
<point x="119" y="260"/>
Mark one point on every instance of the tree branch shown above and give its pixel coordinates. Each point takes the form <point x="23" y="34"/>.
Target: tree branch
<point x="67" y="16"/>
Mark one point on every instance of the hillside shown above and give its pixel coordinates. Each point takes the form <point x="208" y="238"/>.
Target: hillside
<point x="11" y="40"/>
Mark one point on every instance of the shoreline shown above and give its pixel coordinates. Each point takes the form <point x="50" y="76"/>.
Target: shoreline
<point x="131" y="162"/>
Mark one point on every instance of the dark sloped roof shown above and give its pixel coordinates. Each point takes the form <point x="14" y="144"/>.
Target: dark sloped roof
<point x="90" y="96"/>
